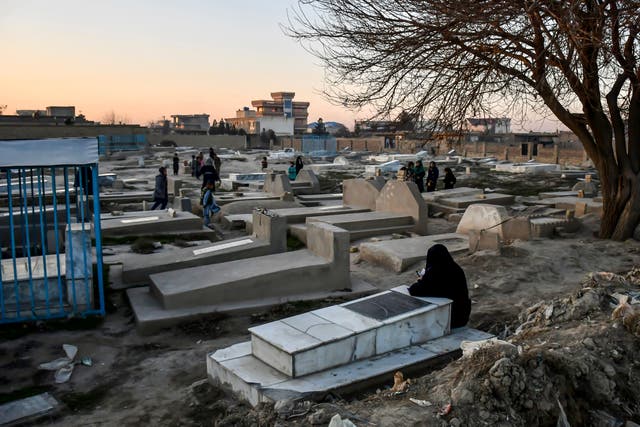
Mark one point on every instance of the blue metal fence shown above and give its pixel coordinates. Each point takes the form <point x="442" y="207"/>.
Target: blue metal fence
<point x="46" y="259"/>
<point x="134" y="142"/>
<point x="319" y="144"/>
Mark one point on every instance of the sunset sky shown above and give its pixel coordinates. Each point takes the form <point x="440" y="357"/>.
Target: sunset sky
<point x="149" y="59"/>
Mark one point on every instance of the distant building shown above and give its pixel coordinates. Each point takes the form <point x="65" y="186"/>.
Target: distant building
<point x="490" y="126"/>
<point x="376" y="126"/>
<point x="280" y="114"/>
<point x="61" y="112"/>
<point x="190" y="123"/>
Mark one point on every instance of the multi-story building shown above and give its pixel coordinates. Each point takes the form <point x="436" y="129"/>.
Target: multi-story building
<point x="190" y="123"/>
<point x="280" y="114"/>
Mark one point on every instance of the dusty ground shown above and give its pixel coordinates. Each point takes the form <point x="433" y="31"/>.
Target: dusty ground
<point x="576" y="355"/>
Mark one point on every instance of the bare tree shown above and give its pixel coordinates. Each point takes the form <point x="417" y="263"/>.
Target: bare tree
<point x="448" y="59"/>
<point x="111" y="118"/>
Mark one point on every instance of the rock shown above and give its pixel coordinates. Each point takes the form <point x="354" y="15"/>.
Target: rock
<point x="548" y="312"/>
<point x="589" y="343"/>
<point x="454" y="422"/>
<point x="320" y="417"/>
<point x="600" y="385"/>
<point x="284" y="407"/>
<point x="461" y="396"/>
<point x="353" y="249"/>
<point x="609" y="370"/>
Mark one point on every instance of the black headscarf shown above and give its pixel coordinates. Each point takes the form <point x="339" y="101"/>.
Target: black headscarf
<point x="444" y="278"/>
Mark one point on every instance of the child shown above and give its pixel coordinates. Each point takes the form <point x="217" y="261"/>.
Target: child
<point x="264" y="164"/>
<point x="209" y="203"/>
<point x="292" y="171"/>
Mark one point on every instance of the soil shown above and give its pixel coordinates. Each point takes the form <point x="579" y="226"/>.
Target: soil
<point x="547" y="300"/>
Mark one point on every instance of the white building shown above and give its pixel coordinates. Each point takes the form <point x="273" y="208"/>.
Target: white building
<point x="190" y="123"/>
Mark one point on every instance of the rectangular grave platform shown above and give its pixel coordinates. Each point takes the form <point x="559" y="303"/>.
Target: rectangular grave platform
<point x="398" y="254"/>
<point x="434" y="196"/>
<point x="489" y="198"/>
<point x="150" y="223"/>
<point x="369" y="350"/>
<point x="337" y="335"/>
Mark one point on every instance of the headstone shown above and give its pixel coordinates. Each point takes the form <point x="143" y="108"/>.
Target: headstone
<point x="361" y="193"/>
<point x="518" y="228"/>
<point x="271" y="228"/>
<point x="277" y="184"/>
<point x="185" y="204"/>
<point x="482" y="241"/>
<point x="478" y="217"/>
<point x="404" y="198"/>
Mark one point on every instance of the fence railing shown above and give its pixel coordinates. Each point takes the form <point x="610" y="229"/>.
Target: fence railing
<point x="46" y="235"/>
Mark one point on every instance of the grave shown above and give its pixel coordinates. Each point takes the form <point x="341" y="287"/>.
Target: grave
<point x="399" y="254"/>
<point x="306" y="182"/>
<point x="269" y="237"/>
<point x="462" y="202"/>
<point x="527" y="168"/>
<point x="435" y="199"/>
<point x="361" y="192"/>
<point x="339" y="348"/>
<point x="483" y="218"/>
<point x="153" y="223"/>
<point x="236" y="181"/>
<point x="320" y="270"/>
<point x="291" y="215"/>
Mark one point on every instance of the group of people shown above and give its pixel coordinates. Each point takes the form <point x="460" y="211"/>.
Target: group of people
<point x="295" y="168"/>
<point x="416" y="172"/>
<point x="208" y="169"/>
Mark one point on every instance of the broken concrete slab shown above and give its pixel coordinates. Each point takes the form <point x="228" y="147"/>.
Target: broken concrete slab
<point x="398" y="254"/>
<point x="489" y="198"/>
<point x="28" y="409"/>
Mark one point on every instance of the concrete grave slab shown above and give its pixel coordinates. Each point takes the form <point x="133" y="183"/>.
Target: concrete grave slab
<point x="308" y="343"/>
<point x="255" y="381"/>
<point x="361" y="193"/>
<point x="269" y="237"/>
<point x="403" y="198"/>
<point x="398" y="254"/>
<point x="150" y="223"/>
<point x="489" y="198"/>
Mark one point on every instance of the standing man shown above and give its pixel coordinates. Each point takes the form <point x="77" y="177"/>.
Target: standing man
<point x="160" y="195"/>
<point x="432" y="177"/>
<point x="176" y="163"/>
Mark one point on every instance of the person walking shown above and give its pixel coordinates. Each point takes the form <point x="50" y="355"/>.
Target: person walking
<point x="176" y="164"/>
<point x="209" y="173"/>
<point x="209" y="205"/>
<point x="299" y="165"/>
<point x="263" y="164"/>
<point x="432" y="177"/>
<point x="160" y="195"/>
<point x="193" y="165"/>
<point x="449" y="179"/>
<point x="418" y="175"/>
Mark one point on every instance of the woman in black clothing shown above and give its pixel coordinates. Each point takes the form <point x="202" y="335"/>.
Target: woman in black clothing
<point x="449" y="179"/>
<point x="444" y="278"/>
<point x="299" y="165"/>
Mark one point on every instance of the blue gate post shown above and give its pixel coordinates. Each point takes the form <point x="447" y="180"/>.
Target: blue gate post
<point x="98" y="234"/>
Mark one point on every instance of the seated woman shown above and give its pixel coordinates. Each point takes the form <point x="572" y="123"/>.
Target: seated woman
<point x="444" y="278"/>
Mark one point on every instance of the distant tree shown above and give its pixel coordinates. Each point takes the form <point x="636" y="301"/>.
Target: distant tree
<point x="242" y="132"/>
<point x="213" y="130"/>
<point x="111" y="118"/>
<point x="227" y="128"/>
<point x="406" y="121"/>
<point x="221" y="127"/>
<point x="264" y="137"/>
<point x="233" y="130"/>
<point x="2" y="108"/>
<point x="357" y="129"/>
<point x="271" y="137"/>
<point x="320" y="128"/>
<point x="342" y="132"/>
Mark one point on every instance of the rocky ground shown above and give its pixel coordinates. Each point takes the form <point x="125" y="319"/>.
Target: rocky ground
<point x="550" y="302"/>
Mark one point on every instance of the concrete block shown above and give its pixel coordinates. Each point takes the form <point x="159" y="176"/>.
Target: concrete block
<point x="276" y="184"/>
<point x="361" y="193"/>
<point x="483" y="217"/>
<point x="404" y="198"/>
<point x="517" y="228"/>
<point x="398" y="255"/>
<point x="270" y="228"/>
<point x="308" y="176"/>
<point x="483" y="241"/>
<point x="174" y="185"/>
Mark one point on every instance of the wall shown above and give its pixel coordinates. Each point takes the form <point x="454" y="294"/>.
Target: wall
<point x="201" y="141"/>
<point x="62" y="131"/>
<point x="280" y="125"/>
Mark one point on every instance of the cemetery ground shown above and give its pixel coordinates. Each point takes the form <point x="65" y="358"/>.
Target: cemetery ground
<point x="550" y="300"/>
<point x="573" y="352"/>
